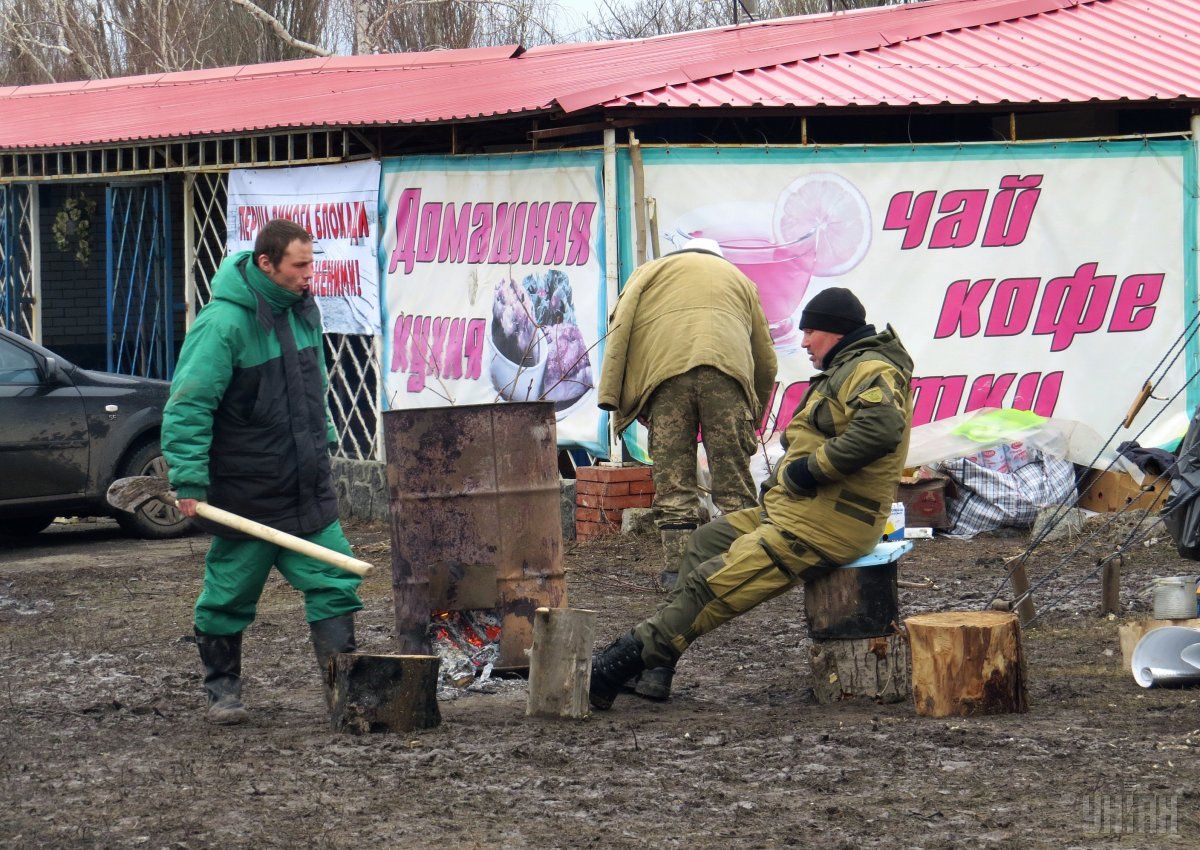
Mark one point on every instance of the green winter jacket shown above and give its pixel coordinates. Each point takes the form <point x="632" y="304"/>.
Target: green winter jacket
<point x="247" y="427"/>
<point x="852" y="428"/>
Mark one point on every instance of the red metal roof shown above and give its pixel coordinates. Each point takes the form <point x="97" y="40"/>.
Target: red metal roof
<point x="939" y="51"/>
<point x="1102" y="50"/>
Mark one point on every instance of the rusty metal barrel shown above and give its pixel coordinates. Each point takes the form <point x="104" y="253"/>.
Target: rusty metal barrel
<point x="473" y="498"/>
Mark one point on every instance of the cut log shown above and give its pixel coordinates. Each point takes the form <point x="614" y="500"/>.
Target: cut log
<point x="966" y="663"/>
<point x="853" y="602"/>
<point x="871" y="668"/>
<point x="383" y="693"/>
<point x="560" y="662"/>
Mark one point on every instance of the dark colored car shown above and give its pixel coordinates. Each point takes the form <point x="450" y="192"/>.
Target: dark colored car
<point x="66" y="433"/>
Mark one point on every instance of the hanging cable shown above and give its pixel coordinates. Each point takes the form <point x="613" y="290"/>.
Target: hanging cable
<point x="1180" y="343"/>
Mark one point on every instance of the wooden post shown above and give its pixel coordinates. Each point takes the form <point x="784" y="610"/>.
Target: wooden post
<point x="1020" y="583"/>
<point x="560" y="662"/>
<point x="966" y="663"/>
<point x="1110" y="600"/>
<point x="383" y="693"/>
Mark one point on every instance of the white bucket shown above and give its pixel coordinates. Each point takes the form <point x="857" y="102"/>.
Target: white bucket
<point x="1158" y="657"/>
<point x="1175" y="598"/>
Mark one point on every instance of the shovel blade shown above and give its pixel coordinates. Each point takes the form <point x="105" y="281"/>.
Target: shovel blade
<point x="129" y="494"/>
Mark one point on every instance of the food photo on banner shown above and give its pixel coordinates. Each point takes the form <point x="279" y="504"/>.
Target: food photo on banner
<point x="493" y="285"/>
<point x="1044" y="277"/>
<point x="338" y="205"/>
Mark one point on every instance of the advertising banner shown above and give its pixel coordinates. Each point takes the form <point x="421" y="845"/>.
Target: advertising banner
<point x="338" y="205"/>
<point x="1048" y="277"/>
<point x="493" y="271"/>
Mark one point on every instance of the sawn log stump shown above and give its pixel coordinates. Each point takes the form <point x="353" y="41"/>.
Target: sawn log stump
<point x="966" y="663"/>
<point x="560" y="662"/>
<point x="383" y="693"/>
<point x="869" y="668"/>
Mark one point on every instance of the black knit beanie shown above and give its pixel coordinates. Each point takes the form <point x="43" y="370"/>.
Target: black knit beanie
<point x="836" y="310"/>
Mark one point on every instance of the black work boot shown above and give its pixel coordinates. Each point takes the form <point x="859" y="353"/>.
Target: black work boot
<point x="655" y="683"/>
<point x="330" y="636"/>
<point x="222" y="659"/>
<point x="611" y="668"/>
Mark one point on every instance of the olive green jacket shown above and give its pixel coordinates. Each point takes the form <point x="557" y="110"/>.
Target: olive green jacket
<point x="687" y="309"/>
<point x="853" y="428"/>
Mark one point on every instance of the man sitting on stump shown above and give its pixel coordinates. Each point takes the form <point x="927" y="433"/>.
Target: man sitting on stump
<point x="825" y="506"/>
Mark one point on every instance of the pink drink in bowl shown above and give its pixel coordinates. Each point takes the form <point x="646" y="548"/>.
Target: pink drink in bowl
<point x="780" y="271"/>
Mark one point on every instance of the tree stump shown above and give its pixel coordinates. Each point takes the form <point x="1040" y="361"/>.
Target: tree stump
<point x="966" y="663"/>
<point x="383" y="693"/>
<point x="560" y="662"/>
<point x="868" y="668"/>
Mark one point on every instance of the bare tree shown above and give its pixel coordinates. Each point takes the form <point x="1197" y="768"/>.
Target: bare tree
<point x="643" y="18"/>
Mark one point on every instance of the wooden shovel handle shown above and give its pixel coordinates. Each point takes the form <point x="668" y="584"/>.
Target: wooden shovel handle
<point x="282" y="538"/>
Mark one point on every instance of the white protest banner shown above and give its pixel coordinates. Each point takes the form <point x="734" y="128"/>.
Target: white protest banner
<point x="338" y="205"/>
<point x="1044" y="277"/>
<point x="493" y="271"/>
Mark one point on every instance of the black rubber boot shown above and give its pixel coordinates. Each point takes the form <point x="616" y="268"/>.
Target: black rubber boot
<point x="655" y="683"/>
<point x="222" y="659"/>
<point x="331" y="636"/>
<point x="611" y="668"/>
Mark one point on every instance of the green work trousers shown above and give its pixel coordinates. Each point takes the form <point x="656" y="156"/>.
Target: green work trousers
<point x="732" y="564"/>
<point x="236" y="570"/>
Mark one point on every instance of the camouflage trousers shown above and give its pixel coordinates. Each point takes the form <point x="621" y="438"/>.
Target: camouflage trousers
<point x="708" y="402"/>
<point x="731" y="565"/>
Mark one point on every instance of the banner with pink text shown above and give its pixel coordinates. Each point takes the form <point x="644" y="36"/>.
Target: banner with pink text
<point x="493" y="271"/>
<point x="1051" y="277"/>
<point x="338" y="205"/>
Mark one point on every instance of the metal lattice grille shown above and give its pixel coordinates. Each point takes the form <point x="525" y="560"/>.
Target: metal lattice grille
<point x="206" y="232"/>
<point x="139" y="297"/>
<point x="18" y="300"/>
<point x="354" y="394"/>
<point x="353" y="360"/>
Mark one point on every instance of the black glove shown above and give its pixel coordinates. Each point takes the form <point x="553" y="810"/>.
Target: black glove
<point x="797" y="478"/>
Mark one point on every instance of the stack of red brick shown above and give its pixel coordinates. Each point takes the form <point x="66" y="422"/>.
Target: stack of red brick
<point x="602" y="493"/>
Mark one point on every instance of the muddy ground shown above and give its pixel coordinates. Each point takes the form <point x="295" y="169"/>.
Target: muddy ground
<point x="103" y="743"/>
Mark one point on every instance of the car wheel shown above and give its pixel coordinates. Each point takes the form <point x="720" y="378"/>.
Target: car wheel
<point x="155" y="520"/>
<point x="25" y="526"/>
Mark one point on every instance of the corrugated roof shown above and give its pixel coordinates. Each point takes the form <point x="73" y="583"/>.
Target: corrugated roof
<point x="1104" y="50"/>
<point x="939" y="51"/>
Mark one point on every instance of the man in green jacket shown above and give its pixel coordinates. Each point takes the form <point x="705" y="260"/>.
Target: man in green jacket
<point x="690" y="351"/>
<point x="845" y="450"/>
<point x="247" y="429"/>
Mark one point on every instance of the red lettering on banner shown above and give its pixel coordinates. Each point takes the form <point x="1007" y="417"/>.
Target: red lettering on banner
<point x="1012" y="211"/>
<point x="1012" y="306"/>
<point x="960" y="228"/>
<point x="960" y="308"/>
<point x="937" y="397"/>
<point x="963" y="214"/>
<point x="1074" y="305"/>
<point x="542" y="233"/>
<point x="1062" y="308"/>
<point x="1133" y="310"/>
<point x="909" y="212"/>
<point x="445" y="347"/>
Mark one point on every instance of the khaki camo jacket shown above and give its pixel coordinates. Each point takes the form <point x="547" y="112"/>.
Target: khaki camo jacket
<point x="687" y="309"/>
<point x="853" y="427"/>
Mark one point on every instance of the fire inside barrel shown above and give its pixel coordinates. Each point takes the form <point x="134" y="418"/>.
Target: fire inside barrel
<point x="473" y="498"/>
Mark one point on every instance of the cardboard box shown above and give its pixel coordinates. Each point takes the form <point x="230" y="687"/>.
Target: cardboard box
<point x="1109" y="492"/>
